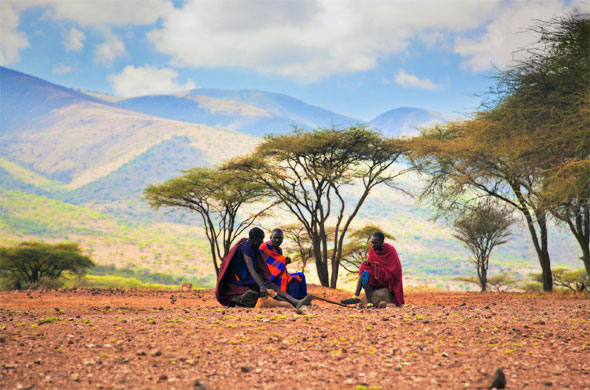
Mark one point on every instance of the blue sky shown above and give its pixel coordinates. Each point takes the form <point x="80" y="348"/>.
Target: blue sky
<point x="358" y="58"/>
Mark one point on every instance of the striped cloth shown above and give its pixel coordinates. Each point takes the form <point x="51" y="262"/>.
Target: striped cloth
<point x="277" y="265"/>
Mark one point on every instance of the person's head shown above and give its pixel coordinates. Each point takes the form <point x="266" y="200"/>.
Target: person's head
<point x="377" y="240"/>
<point x="276" y="237"/>
<point x="256" y="236"/>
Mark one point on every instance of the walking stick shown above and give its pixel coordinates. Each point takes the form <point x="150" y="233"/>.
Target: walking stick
<point x="329" y="301"/>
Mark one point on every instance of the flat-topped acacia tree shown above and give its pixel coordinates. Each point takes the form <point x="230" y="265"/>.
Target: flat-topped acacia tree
<point x="308" y="171"/>
<point x="217" y="195"/>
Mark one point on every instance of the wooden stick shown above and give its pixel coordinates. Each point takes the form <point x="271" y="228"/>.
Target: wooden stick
<point x="329" y="301"/>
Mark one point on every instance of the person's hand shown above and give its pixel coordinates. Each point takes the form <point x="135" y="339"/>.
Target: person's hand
<point x="263" y="292"/>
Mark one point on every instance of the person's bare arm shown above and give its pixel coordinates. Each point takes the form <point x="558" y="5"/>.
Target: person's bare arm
<point x="255" y="275"/>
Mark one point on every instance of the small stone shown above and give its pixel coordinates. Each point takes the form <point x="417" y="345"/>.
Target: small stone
<point x="162" y="377"/>
<point x="498" y="380"/>
<point x="444" y="354"/>
<point x="155" y="352"/>
<point x="141" y="353"/>
<point x="245" y="369"/>
<point x="200" y="385"/>
<point x="75" y="377"/>
<point x="548" y="383"/>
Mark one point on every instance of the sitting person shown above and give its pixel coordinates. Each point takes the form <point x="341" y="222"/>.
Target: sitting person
<point x="381" y="269"/>
<point x="293" y="284"/>
<point x="244" y="275"/>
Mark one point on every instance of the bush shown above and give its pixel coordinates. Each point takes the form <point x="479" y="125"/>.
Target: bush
<point x="31" y="264"/>
<point x="574" y="280"/>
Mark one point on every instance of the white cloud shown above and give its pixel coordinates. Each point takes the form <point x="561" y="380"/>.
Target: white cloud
<point x="408" y="80"/>
<point x="147" y="80"/>
<point x="62" y="69"/>
<point x="507" y="33"/>
<point x="99" y="13"/>
<point x="11" y="40"/>
<point x="107" y="52"/>
<point x="75" y="40"/>
<point x="306" y="40"/>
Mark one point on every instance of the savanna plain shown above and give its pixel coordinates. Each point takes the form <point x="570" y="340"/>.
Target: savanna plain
<point x="128" y="339"/>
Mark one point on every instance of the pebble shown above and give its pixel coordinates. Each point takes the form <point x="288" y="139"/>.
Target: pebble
<point x="155" y="352"/>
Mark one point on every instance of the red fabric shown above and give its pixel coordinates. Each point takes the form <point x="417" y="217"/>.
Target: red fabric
<point x="225" y="290"/>
<point x="277" y="264"/>
<point x="385" y="269"/>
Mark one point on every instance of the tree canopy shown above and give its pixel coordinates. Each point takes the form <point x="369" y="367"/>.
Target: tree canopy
<point x="218" y="196"/>
<point x="527" y="142"/>
<point x="308" y="172"/>
<point x="27" y="263"/>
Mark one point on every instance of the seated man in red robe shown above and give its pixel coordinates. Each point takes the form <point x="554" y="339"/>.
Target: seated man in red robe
<point x="293" y="284"/>
<point x="381" y="269"/>
<point x="244" y="276"/>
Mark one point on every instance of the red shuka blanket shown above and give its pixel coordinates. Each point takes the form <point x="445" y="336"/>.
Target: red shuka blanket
<point x="386" y="268"/>
<point x="225" y="290"/>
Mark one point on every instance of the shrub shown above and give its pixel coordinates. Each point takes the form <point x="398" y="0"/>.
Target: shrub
<point x="30" y="264"/>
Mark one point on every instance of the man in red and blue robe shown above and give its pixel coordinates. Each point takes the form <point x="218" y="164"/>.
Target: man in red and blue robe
<point x="293" y="284"/>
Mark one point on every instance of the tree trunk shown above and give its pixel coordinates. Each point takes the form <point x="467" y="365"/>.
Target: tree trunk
<point x="540" y="244"/>
<point x="320" y="264"/>
<point x="335" y="268"/>
<point x="483" y="280"/>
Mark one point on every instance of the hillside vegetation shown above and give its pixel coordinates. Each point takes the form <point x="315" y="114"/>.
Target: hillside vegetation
<point x="73" y="167"/>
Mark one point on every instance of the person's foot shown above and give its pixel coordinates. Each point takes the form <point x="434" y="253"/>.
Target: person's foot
<point x="370" y="306"/>
<point x="247" y="299"/>
<point x="305" y="301"/>
<point x="350" y="301"/>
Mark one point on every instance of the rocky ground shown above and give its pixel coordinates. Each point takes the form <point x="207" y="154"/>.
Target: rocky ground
<point x="185" y="340"/>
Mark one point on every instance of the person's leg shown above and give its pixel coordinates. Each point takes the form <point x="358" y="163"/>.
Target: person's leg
<point x="295" y="302"/>
<point x="355" y="298"/>
<point x="369" y="293"/>
<point x="297" y="289"/>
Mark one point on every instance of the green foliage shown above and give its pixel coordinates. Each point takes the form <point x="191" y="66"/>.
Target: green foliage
<point x="502" y="281"/>
<point x="217" y="195"/>
<point x="111" y="281"/>
<point x="482" y="228"/>
<point x="28" y="263"/>
<point x="537" y="125"/>
<point x="308" y="171"/>
<point x="574" y="280"/>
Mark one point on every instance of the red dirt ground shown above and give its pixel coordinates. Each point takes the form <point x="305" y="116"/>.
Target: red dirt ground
<point x="127" y="340"/>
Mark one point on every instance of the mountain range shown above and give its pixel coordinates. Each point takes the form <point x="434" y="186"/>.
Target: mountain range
<point x="73" y="165"/>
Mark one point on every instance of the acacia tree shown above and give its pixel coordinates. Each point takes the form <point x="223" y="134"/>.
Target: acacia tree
<point x="28" y="262"/>
<point x="308" y="172"/>
<point x="551" y="91"/>
<point x="537" y="124"/>
<point x="217" y="195"/>
<point x="482" y="228"/>
<point x="303" y="248"/>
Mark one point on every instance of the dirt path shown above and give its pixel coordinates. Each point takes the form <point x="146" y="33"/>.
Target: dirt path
<point x="115" y="340"/>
